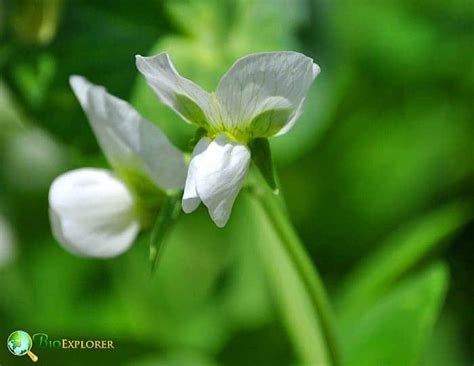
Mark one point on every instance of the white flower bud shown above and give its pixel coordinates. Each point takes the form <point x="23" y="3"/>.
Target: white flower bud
<point x="92" y="213"/>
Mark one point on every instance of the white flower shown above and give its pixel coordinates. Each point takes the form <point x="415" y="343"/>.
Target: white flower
<point x="262" y="95"/>
<point x="94" y="212"/>
<point x="7" y="244"/>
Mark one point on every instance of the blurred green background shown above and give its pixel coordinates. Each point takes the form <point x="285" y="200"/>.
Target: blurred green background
<point x="377" y="173"/>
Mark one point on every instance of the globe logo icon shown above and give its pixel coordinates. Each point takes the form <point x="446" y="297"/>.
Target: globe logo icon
<point x="19" y="343"/>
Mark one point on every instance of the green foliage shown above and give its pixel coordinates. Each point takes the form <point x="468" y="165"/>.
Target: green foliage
<point x="35" y="21"/>
<point x="175" y="359"/>
<point x="401" y="252"/>
<point x="167" y="216"/>
<point x="394" y="330"/>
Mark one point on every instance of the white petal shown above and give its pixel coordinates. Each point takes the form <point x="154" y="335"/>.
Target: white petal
<point x="299" y="111"/>
<point x="128" y="140"/>
<point x="251" y="85"/>
<point x="92" y="213"/>
<point x="219" y="175"/>
<point x="189" y="100"/>
<point x="191" y="198"/>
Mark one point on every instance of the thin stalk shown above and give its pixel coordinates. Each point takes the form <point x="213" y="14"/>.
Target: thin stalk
<point x="274" y="211"/>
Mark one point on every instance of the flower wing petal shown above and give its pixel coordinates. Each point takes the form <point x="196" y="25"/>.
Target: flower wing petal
<point x="299" y="110"/>
<point x="92" y="213"/>
<point x="264" y="82"/>
<point x="128" y="140"/>
<point x="219" y="176"/>
<point x="194" y="104"/>
<point x="191" y="198"/>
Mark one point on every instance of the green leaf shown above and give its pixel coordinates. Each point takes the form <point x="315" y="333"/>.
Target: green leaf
<point x="191" y="296"/>
<point x="176" y="358"/>
<point x="394" y="330"/>
<point x="35" y="21"/>
<point x="262" y="157"/>
<point x="33" y="81"/>
<point x="12" y="119"/>
<point x="446" y="343"/>
<point x="165" y="221"/>
<point x="400" y="252"/>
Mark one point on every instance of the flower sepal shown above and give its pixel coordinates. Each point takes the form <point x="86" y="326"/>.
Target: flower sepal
<point x="147" y="196"/>
<point x="262" y="158"/>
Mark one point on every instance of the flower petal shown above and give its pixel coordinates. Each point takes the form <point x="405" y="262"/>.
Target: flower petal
<point x="92" y="213"/>
<point x="299" y="111"/>
<point x="128" y="140"/>
<point x="264" y="82"/>
<point x="189" y="100"/>
<point x="219" y="175"/>
<point x="191" y="198"/>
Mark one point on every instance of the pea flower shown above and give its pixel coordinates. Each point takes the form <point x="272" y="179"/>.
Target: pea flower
<point x="97" y="212"/>
<point x="261" y="96"/>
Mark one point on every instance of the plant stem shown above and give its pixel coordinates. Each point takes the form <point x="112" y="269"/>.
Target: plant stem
<point x="309" y="277"/>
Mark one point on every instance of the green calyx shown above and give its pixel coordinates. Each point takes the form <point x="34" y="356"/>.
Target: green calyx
<point x="147" y="196"/>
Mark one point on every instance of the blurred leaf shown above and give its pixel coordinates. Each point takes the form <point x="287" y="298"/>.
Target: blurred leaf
<point x="165" y="221"/>
<point x="207" y="15"/>
<point x="96" y="39"/>
<point x="380" y="164"/>
<point x="34" y="80"/>
<point x="178" y="358"/>
<point x="267" y="346"/>
<point x="35" y="21"/>
<point x="177" y="298"/>
<point x="446" y="344"/>
<point x="8" y="245"/>
<point x="320" y="107"/>
<point x="32" y="159"/>
<point x="393" y="331"/>
<point x="410" y="37"/>
<point x="11" y="119"/>
<point x="246" y="297"/>
<point x="397" y="255"/>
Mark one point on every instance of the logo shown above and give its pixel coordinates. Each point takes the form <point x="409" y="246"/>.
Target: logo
<point x="19" y="343"/>
<point x="42" y="341"/>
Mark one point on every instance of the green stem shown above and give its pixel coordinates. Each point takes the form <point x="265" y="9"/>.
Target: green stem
<point x="306" y="272"/>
